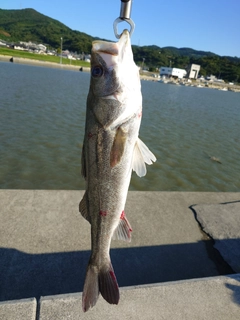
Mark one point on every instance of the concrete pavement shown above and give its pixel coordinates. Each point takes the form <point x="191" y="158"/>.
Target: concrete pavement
<point x="222" y="223"/>
<point x="24" y="309"/>
<point x="45" y="246"/>
<point x="196" y="299"/>
<point x="209" y="298"/>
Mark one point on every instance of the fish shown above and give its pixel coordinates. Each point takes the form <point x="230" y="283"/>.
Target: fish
<point x="213" y="158"/>
<point x="111" y="151"/>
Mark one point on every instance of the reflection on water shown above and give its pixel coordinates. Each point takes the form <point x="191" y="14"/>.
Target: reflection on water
<point x="42" y="119"/>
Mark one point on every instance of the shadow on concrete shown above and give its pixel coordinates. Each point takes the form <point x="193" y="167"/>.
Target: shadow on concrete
<point x="235" y="290"/>
<point x="24" y="275"/>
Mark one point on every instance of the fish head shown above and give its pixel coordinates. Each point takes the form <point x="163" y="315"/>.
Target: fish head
<point x="114" y="74"/>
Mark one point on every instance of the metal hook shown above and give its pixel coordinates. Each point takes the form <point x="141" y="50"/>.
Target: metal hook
<point x="125" y="14"/>
<point x="117" y="21"/>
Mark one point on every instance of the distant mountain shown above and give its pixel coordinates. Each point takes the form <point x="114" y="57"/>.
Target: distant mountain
<point x="30" y="25"/>
<point x="189" y="52"/>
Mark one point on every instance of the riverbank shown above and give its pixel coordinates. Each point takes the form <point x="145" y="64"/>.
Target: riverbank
<point x="148" y="76"/>
<point x="48" y="64"/>
<point x="41" y="63"/>
<point x="222" y="86"/>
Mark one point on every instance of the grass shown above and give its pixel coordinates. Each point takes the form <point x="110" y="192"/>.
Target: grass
<point x="41" y="57"/>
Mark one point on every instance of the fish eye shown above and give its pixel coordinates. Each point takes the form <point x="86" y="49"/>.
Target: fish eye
<point x="97" y="72"/>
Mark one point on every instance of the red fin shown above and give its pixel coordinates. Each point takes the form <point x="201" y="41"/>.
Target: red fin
<point x="108" y="285"/>
<point x="91" y="288"/>
<point x="123" y="230"/>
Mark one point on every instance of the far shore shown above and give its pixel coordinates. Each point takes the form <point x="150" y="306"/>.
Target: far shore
<point x="47" y="64"/>
<point x="40" y="63"/>
<point x="148" y="76"/>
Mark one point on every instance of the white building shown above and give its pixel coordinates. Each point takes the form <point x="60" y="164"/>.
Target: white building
<point x="2" y="43"/>
<point x="33" y="46"/>
<point x="193" y="71"/>
<point x="42" y="47"/>
<point x="172" y="72"/>
<point x="19" y="48"/>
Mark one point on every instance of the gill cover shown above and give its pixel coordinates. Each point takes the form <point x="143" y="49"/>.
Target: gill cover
<point x="109" y="63"/>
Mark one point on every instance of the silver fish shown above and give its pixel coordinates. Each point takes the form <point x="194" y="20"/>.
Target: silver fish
<point x="111" y="150"/>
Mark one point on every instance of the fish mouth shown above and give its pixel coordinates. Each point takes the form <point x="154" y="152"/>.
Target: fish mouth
<point x="112" y="48"/>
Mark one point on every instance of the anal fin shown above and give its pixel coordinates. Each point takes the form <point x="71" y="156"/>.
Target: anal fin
<point x="123" y="230"/>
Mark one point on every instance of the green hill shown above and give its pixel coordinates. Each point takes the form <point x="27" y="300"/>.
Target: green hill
<point x="189" y="52"/>
<point x="226" y="68"/>
<point x="30" y="25"/>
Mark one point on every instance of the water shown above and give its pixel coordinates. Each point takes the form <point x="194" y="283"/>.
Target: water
<point x="42" y="119"/>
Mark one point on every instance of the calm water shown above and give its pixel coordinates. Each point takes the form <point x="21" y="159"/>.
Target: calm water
<point x="42" y="118"/>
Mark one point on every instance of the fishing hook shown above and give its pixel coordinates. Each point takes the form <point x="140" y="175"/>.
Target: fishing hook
<point x="125" y="15"/>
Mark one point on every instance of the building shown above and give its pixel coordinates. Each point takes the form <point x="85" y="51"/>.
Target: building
<point x="2" y="43"/>
<point x="42" y="47"/>
<point x="193" y="71"/>
<point x="172" y="72"/>
<point x="31" y="47"/>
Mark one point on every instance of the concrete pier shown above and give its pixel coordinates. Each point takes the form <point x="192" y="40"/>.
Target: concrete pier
<point x="170" y="270"/>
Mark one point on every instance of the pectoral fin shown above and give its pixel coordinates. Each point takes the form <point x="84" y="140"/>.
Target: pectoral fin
<point x="118" y="147"/>
<point x="141" y="155"/>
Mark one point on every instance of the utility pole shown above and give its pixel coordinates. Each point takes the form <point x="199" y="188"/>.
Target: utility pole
<point x="61" y="51"/>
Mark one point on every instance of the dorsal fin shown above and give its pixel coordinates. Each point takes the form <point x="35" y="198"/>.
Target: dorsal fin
<point x="83" y="207"/>
<point x="83" y="162"/>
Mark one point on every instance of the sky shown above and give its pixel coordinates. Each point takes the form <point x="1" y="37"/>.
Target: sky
<point x="208" y="25"/>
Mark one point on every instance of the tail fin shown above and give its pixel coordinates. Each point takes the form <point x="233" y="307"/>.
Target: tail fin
<point x="90" y="289"/>
<point x="108" y="285"/>
<point x="103" y="281"/>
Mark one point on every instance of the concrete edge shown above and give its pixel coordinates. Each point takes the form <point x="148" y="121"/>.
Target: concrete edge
<point x="31" y="308"/>
<point x="149" y="286"/>
<point x="27" y="300"/>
